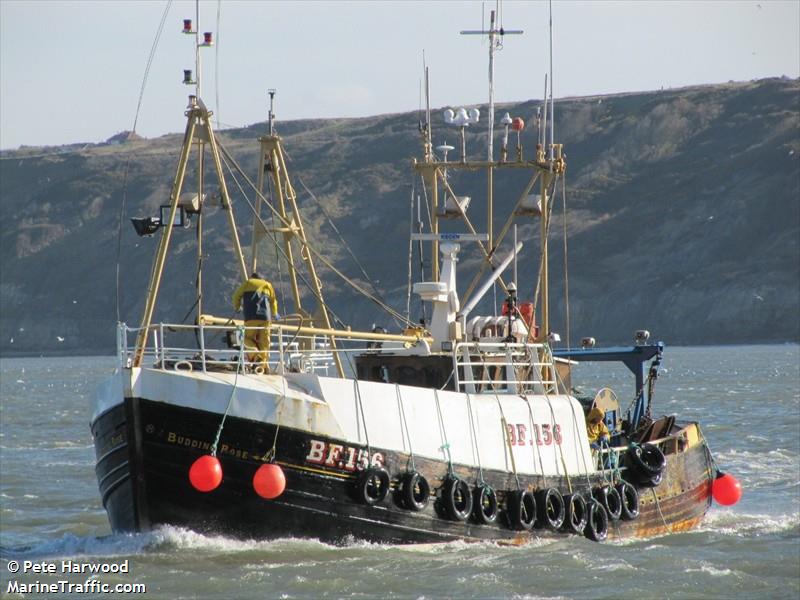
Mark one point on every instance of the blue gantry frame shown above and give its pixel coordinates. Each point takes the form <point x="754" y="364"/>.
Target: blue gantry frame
<point x="633" y="357"/>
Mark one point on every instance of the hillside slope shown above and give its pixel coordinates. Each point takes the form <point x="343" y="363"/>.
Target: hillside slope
<point x="683" y="212"/>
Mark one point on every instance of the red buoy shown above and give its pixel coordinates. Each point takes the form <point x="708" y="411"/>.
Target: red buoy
<point x="269" y="481"/>
<point x="517" y="124"/>
<point x="726" y="489"/>
<point x="206" y="473"/>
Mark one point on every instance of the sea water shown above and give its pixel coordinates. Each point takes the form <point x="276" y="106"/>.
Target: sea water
<point x="747" y="399"/>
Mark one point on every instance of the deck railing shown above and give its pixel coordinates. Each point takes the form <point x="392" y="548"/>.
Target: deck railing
<point x="504" y="366"/>
<point x="223" y="348"/>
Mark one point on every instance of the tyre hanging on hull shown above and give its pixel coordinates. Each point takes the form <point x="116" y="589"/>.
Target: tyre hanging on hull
<point x="372" y="485"/>
<point x="576" y="514"/>
<point x="650" y="482"/>
<point x="647" y="459"/>
<point x="551" y="508"/>
<point x="521" y="510"/>
<point x="484" y="505"/>
<point x="610" y="499"/>
<point x="597" y="522"/>
<point x="630" y="501"/>
<point x="457" y="499"/>
<point x="414" y="491"/>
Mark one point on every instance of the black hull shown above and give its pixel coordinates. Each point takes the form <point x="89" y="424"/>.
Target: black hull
<point x="145" y="448"/>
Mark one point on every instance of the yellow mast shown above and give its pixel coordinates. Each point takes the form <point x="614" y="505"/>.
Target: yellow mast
<point x="272" y="160"/>
<point x="198" y="129"/>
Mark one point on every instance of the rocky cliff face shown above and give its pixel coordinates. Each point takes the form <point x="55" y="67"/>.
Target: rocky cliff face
<point x="683" y="213"/>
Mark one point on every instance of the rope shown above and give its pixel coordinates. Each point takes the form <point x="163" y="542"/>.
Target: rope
<point x="239" y="366"/>
<point x="343" y="241"/>
<point x="410" y="252"/>
<point x="449" y="379"/>
<point x="445" y="447"/>
<point x="261" y="221"/>
<point x="575" y="430"/>
<point x="560" y="446"/>
<point x="216" y="65"/>
<point x="269" y="456"/>
<point x="277" y="247"/>
<point x="474" y="440"/>
<point x="553" y="415"/>
<point x="153" y="48"/>
<point x="227" y="156"/>
<point x="536" y="450"/>
<point x="566" y="262"/>
<point x="660" y="514"/>
<point x="363" y="420"/>
<point x="404" y="423"/>
<point x="508" y="441"/>
<point x="548" y="208"/>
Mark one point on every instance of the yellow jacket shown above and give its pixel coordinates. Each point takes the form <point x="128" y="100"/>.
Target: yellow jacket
<point x="249" y="292"/>
<point x="596" y="430"/>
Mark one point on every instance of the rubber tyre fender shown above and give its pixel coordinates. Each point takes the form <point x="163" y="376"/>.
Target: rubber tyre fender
<point x="648" y="460"/>
<point x="415" y="491"/>
<point x="484" y="505"/>
<point x="521" y="510"/>
<point x="551" y="507"/>
<point x="597" y="522"/>
<point x="610" y="499"/>
<point x="576" y="514"/>
<point x="630" y="501"/>
<point x="651" y="482"/>
<point x="372" y="485"/>
<point x="457" y="499"/>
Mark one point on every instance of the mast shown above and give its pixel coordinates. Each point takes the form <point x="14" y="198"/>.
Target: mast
<point x="198" y="130"/>
<point x="495" y="42"/>
<point x="272" y="161"/>
<point x="263" y="162"/>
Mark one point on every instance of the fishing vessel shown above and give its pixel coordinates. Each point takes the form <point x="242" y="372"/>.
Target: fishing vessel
<point x="464" y="426"/>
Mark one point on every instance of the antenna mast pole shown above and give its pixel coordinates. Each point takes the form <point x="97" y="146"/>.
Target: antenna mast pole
<point x="197" y="49"/>
<point x="552" y="113"/>
<point x="494" y="43"/>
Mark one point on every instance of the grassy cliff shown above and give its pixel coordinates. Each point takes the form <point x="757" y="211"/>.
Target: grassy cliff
<point x="683" y="212"/>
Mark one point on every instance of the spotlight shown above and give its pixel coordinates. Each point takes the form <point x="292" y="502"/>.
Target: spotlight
<point x="145" y="226"/>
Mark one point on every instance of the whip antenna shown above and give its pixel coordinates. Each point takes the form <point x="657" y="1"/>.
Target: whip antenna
<point x="495" y="34"/>
<point x="552" y="111"/>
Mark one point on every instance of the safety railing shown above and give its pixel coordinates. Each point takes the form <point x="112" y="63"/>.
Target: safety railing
<point x="489" y="367"/>
<point x="234" y="347"/>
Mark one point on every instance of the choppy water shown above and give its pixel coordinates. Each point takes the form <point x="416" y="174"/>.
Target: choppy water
<point x="747" y="399"/>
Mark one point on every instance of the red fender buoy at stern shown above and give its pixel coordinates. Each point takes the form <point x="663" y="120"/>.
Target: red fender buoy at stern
<point x="726" y="489"/>
<point x="269" y="481"/>
<point x="205" y="473"/>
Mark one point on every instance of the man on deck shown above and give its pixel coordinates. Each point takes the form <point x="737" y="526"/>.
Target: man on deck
<point x="596" y="429"/>
<point x="256" y="298"/>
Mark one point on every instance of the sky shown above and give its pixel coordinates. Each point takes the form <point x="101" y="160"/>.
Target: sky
<point x="71" y="72"/>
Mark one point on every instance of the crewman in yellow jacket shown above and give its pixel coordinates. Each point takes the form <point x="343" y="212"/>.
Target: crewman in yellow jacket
<point x="256" y="298"/>
<point x="596" y="428"/>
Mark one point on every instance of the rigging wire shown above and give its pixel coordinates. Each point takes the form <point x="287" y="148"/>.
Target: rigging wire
<point x="275" y="243"/>
<point x="225" y="156"/>
<point x="153" y="49"/>
<point x="216" y="66"/>
<point x="548" y="207"/>
<point x="404" y="423"/>
<point x="342" y="240"/>
<point x="566" y="267"/>
<point x="410" y="252"/>
<point x="310" y="248"/>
